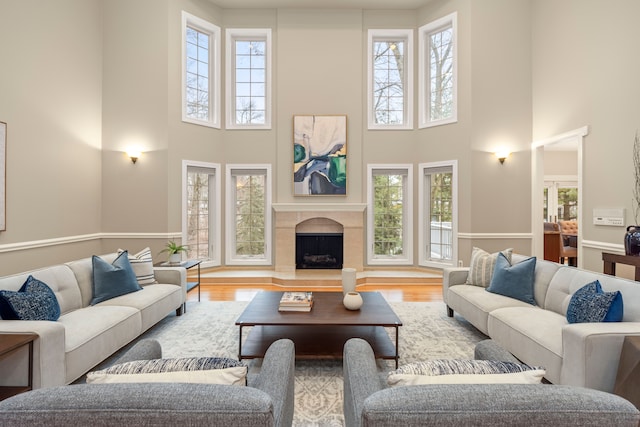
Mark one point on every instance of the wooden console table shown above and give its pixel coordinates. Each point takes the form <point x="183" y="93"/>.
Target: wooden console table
<point x="610" y="260"/>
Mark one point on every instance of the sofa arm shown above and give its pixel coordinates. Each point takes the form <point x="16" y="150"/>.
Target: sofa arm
<point x="592" y="352"/>
<point x="496" y="404"/>
<point x="49" y="367"/>
<point x="452" y="276"/>
<point x="172" y="276"/>
<point x="361" y="378"/>
<point x="276" y="378"/>
<point x="152" y="404"/>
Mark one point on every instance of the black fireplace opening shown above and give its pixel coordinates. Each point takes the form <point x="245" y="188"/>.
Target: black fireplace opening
<point x="318" y="251"/>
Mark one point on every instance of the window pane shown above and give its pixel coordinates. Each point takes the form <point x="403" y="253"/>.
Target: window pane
<point x="250" y="82"/>
<point x="388" y="214"/>
<point x="197" y="68"/>
<point x="388" y="78"/>
<point x="441" y="77"/>
<point x="198" y="233"/>
<point x="440" y="216"/>
<point x="250" y="215"/>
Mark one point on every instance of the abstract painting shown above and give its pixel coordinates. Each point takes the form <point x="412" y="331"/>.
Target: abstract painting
<point x="3" y="175"/>
<point x="319" y="155"/>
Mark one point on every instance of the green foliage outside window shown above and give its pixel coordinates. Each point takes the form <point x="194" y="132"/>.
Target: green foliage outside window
<point x="388" y="215"/>
<point x="250" y="215"/>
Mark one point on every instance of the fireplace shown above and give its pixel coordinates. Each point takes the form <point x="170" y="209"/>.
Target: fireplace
<point x="319" y="250"/>
<point x="291" y="219"/>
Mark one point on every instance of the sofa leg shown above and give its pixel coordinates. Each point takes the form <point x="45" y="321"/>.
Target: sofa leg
<point x="179" y="311"/>
<point x="449" y="311"/>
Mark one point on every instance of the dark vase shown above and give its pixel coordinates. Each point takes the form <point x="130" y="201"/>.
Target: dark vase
<point x="632" y="240"/>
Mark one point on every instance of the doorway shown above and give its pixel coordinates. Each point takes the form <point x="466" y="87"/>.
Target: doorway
<point x="557" y="184"/>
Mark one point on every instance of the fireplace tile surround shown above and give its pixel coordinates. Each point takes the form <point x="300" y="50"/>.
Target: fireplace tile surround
<point x="347" y="218"/>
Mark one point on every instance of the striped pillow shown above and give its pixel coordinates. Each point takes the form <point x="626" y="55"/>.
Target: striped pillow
<point x="203" y="370"/>
<point x="482" y="265"/>
<point x="142" y="265"/>
<point x="443" y="371"/>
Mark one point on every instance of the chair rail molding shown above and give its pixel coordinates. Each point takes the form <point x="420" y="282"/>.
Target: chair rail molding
<point x="494" y="236"/>
<point x="34" y="244"/>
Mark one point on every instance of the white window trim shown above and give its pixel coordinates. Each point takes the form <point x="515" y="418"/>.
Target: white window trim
<point x="216" y="257"/>
<point x="423" y="70"/>
<point x="233" y="34"/>
<point x="230" y="247"/>
<point x="407" y="226"/>
<point x="423" y="258"/>
<point x="407" y="36"/>
<point x="214" y="32"/>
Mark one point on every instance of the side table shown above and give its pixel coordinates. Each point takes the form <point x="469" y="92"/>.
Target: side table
<point x="10" y="343"/>
<point x="190" y="263"/>
<point x="628" y="377"/>
<point x="610" y="261"/>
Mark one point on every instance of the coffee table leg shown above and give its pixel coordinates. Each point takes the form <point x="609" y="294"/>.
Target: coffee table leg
<point x="240" y="344"/>
<point x="397" y="343"/>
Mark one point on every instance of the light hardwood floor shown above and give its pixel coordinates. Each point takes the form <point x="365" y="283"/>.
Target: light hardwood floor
<point x="395" y="293"/>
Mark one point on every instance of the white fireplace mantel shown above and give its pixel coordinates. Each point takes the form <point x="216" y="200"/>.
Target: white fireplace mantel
<point x="319" y="207"/>
<point x="350" y="216"/>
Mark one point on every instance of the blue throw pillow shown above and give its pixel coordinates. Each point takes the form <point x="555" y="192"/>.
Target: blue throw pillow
<point x="590" y="304"/>
<point x="113" y="280"/>
<point x="34" y="301"/>
<point x="515" y="281"/>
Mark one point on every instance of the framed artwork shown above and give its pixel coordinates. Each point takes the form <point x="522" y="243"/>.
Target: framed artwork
<point x="3" y="175"/>
<point x="319" y="155"/>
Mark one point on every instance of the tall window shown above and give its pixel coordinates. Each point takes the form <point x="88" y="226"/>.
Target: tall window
<point x="249" y="214"/>
<point x="202" y="211"/>
<point x="438" y="72"/>
<point x="390" y="214"/>
<point x="438" y="226"/>
<point x="200" y="71"/>
<point x="249" y="78"/>
<point x="390" y="93"/>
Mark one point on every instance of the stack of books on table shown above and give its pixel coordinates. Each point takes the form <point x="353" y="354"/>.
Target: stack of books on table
<point x="296" y="301"/>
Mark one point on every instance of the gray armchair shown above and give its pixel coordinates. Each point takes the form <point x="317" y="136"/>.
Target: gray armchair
<point x="369" y="402"/>
<point x="268" y="399"/>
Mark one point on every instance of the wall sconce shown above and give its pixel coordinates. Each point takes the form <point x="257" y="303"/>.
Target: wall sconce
<point x="502" y="156"/>
<point x="133" y="155"/>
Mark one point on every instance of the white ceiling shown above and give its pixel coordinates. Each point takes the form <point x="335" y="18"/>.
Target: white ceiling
<point x="321" y="4"/>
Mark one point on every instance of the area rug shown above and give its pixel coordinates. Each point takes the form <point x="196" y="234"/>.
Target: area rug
<point x="208" y="328"/>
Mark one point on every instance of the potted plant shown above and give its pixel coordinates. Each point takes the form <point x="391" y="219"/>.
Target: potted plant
<point x="175" y="251"/>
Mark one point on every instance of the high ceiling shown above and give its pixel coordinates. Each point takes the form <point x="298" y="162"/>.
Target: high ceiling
<point x="320" y="4"/>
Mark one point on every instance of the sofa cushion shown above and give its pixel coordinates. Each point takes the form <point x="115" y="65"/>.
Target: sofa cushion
<point x="112" y="280"/>
<point x="532" y="334"/>
<point x="142" y="265"/>
<point x="591" y="304"/>
<point x="482" y="265"/>
<point x="204" y="370"/>
<point x="33" y="301"/>
<point x="465" y="372"/>
<point x="515" y="281"/>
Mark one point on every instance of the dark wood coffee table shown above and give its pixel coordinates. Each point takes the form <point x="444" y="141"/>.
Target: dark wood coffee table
<point x="322" y="332"/>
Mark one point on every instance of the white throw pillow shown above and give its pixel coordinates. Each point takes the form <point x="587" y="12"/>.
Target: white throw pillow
<point x="228" y="376"/>
<point x="465" y="372"/>
<point x="203" y="370"/>
<point x="142" y="265"/>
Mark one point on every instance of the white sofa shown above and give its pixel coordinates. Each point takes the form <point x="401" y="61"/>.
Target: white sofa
<point x="581" y="354"/>
<point x="85" y="335"/>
